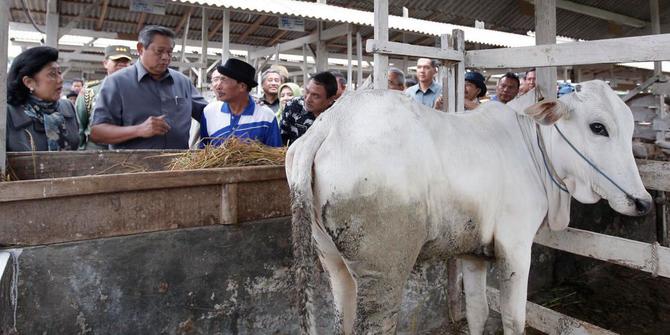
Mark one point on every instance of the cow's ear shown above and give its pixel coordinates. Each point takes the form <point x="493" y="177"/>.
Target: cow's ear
<point x="547" y="112"/>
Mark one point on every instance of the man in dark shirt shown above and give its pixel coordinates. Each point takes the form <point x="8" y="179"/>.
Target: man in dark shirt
<point x="271" y="79"/>
<point x="299" y="113"/>
<point x="147" y="105"/>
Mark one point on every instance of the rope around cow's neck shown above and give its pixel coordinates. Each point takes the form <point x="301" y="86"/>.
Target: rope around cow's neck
<point x="552" y="173"/>
<point x="547" y="163"/>
<point x="628" y="195"/>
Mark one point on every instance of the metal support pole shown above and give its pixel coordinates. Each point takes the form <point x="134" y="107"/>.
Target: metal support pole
<point x="202" y="76"/>
<point x="4" y="32"/>
<point x="225" y="36"/>
<point x="545" y="33"/>
<point x="381" y="19"/>
<point x="52" y="23"/>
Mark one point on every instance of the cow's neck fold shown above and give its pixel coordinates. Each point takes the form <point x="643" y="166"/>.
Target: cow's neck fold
<point x="558" y="201"/>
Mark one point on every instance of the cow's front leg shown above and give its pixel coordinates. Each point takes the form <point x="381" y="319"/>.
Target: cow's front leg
<point x="474" y="283"/>
<point x="513" y="267"/>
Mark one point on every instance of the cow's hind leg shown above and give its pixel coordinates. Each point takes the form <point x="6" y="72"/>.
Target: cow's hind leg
<point x="344" y="291"/>
<point x="474" y="283"/>
<point x="379" y="295"/>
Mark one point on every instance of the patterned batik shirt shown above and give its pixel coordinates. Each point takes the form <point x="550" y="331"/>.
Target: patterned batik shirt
<point x="295" y="120"/>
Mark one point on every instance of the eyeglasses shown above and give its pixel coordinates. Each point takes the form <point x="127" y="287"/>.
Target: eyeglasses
<point x="161" y="52"/>
<point x="54" y="75"/>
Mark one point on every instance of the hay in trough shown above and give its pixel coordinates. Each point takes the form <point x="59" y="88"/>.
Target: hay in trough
<point x="233" y="152"/>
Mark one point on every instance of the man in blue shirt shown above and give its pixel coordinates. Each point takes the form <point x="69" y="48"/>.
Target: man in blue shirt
<point x="235" y="113"/>
<point x="426" y="90"/>
<point x="507" y="88"/>
<point x="147" y="105"/>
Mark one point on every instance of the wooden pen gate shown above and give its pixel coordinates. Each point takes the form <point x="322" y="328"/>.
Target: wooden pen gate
<point x="651" y="258"/>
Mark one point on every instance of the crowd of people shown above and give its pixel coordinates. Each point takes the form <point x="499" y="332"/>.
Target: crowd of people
<point x="148" y="105"/>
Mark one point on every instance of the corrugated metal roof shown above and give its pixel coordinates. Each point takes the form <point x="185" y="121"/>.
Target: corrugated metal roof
<point x="330" y="13"/>
<point x="518" y="17"/>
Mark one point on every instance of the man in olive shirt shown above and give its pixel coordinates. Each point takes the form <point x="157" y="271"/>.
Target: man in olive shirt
<point x="147" y="105"/>
<point x="117" y="57"/>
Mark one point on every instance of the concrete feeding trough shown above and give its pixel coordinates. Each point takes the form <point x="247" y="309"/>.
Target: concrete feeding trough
<point x="91" y="248"/>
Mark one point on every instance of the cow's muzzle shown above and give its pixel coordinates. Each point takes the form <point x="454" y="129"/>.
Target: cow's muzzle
<point x="642" y="206"/>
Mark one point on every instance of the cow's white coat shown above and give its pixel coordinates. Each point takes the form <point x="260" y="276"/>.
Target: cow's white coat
<point x="389" y="180"/>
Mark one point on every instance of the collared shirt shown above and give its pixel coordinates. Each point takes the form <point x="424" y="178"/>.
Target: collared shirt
<point x="130" y="96"/>
<point x="256" y="122"/>
<point x="273" y="106"/>
<point x="426" y="98"/>
<point x="295" y="120"/>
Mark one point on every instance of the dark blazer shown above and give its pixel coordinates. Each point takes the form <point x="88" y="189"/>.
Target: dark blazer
<point x="19" y="125"/>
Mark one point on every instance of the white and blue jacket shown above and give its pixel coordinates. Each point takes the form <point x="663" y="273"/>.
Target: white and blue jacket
<point x="256" y="122"/>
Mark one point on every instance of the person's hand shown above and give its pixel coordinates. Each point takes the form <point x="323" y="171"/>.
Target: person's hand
<point x="438" y="103"/>
<point x="154" y="125"/>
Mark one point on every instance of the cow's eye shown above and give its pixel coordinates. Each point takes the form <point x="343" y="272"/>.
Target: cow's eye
<point x="599" y="129"/>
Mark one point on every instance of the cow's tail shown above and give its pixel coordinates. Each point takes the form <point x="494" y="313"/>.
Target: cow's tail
<point x="299" y="165"/>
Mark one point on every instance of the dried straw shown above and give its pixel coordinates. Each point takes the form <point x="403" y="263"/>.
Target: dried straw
<point x="233" y="152"/>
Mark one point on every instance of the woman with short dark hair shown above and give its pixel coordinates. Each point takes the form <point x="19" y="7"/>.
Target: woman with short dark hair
<point x="37" y="118"/>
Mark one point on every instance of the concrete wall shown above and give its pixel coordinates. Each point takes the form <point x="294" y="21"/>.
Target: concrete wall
<point x="231" y="279"/>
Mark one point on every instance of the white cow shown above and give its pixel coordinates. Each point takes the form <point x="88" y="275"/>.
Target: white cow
<point x="379" y="180"/>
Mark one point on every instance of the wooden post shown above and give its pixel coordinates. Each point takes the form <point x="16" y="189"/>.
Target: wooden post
<point x="52" y="24"/>
<point x="661" y="199"/>
<point x="183" y="42"/>
<point x="225" y="36"/>
<point x="545" y="33"/>
<point x="658" y="65"/>
<point x="381" y="34"/>
<point x="448" y="83"/>
<point x="202" y="74"/>
<point x="305" y="72"/>
<point x="349" y="56"/>
<point x="4" y="32"/>
<point x="321" y="51"/>
<point x="359" y="59"/>
<point x="459" y="77"/>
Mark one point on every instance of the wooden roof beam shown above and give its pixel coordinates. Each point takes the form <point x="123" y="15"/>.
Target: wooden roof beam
<point x="103" y="14"/>
<point x="140" y="22"/>
<point x="276" y="37"/>
<point x="216" y="29"/>
<point x="599" y="13"/>
<point x="183" y="19"/>
<point x="254" y="27"/>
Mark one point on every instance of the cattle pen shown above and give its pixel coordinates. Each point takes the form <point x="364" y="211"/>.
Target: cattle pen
<point x="153" y="258"/>
<point x="546" y="55"/>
